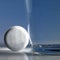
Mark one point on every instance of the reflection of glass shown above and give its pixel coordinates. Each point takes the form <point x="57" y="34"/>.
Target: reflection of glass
<point x="44" y="21"/>
<point x="35" y="57"/>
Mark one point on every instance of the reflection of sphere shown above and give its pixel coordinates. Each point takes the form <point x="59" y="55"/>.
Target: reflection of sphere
<point x="16" y="38"/>
<point x="14" y="57"/>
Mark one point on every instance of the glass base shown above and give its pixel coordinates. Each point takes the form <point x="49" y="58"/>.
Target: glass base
<point x="47" y="49"/>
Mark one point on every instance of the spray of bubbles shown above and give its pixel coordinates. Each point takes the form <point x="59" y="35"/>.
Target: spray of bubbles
<point x="29" y="6"/>
<point x="29" y="10"/>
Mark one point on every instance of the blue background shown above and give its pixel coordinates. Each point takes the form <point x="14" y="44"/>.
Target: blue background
<point x="12" y="12"/>
<point x="45" y="19"/>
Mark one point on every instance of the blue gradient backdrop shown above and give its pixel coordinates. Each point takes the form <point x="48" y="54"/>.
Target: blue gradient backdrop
<point x="12" y="12"/>
<point x="46" y="16"/>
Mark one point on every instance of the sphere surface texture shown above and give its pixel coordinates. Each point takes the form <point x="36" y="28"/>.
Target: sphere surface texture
<point x="16" y="38"/>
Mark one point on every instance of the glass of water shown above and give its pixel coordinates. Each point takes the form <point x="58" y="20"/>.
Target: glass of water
<point x="44" y="24"/>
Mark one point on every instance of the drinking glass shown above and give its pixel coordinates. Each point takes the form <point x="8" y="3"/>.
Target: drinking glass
<point x="44" y="24"/>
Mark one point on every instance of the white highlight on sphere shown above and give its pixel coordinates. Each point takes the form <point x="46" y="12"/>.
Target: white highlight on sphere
<point x="16" y="38"/>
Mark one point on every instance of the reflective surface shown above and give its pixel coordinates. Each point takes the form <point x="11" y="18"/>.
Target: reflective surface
<point x="27" y="54"/>
<point x="27" y="57"/>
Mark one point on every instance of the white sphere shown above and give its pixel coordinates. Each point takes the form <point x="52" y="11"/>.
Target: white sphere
<point x="16" y="38"/>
